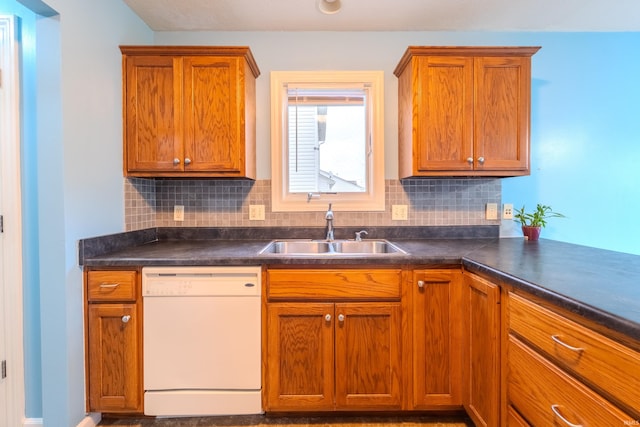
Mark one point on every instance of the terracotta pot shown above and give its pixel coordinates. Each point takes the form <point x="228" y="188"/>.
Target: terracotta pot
<point x="531" y="233"/>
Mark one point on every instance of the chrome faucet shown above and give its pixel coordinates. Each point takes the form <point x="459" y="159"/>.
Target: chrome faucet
<point x="359" y="235"/>
<point x="329" y="217"/>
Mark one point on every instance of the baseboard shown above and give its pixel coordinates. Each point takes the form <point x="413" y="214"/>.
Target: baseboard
<point x="91" y="420"/>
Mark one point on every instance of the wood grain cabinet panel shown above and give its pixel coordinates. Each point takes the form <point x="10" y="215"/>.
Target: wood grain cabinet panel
<point x="464" y="111"/>
<point x="607" y="366"/>
<point x="189" y="111"/>
<point x="481" y="350"/>
<point x="437" y="338"/>
<point x="336" y="350"/>
<point x="547" y="396"/>
<point x="114" y="353"/>
<point x="111" y="285"/>
<point x="113" y="341"/>
<point x="368" y="356"/>
<point x="300" y="356"/>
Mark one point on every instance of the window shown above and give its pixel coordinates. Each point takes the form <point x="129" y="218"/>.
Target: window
<point x="327" y="141"/>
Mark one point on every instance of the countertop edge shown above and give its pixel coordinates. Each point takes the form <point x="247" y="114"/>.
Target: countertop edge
<point x="467" y="253"/>
<point x="603" y="318"/>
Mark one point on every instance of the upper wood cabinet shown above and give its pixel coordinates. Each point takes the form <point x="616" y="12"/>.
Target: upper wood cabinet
<point x="464" y="111"/>
<point x="189" y="111"/>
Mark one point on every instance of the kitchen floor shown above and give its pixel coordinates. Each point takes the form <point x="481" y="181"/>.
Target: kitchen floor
<point x="302" y="421"/>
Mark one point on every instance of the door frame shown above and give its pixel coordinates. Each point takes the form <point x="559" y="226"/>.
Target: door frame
<point x="10" y="144"/>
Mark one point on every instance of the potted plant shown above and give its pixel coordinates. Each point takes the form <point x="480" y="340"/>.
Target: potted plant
<point x="532" y="222"/>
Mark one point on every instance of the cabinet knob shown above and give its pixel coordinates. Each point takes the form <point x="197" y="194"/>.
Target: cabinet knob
<point x="327" y="318"/>
<point x="470" y="160"/>
<point x="187" y="161"/>
<point x="126" y="318"/>
<point x="481" y="160"/>
<point x="176" y="161"/>
<point x="421" y="283"/>
<point x="340" y="317"/>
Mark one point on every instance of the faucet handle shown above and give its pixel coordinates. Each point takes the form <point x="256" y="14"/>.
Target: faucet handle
<point x="359" y="235"/>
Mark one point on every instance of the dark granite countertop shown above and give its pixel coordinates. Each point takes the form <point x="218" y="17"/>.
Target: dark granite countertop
<point x="603" y="286"/>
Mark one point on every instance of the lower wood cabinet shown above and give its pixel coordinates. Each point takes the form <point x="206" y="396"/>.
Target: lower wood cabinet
<point x="562" y="372"/>
<point x="114" y="341"/>
<point x="325" y="356"/>
<point x="437" y="338"/>
<point x="481" y="346"/>
<point x="547" y="396"/>
<point x="329" y="355"/>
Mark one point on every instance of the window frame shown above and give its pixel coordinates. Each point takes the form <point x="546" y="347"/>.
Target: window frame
<point x="281" y="199"/>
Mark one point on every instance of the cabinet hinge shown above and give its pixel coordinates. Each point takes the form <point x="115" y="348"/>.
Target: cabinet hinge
<point x="4" y="369"/>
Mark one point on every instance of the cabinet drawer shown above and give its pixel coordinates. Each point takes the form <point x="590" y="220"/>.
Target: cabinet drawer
<point x="547" y="396"/>
<point x="605" y="364"/>
<point x="314" y="284"/>
<point x="111" y="285"/>
<point x="514" y="419"/>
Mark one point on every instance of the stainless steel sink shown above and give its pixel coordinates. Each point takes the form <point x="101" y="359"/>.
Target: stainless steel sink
<point x="333" y="248"/>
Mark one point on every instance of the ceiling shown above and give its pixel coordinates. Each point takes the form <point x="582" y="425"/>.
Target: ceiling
<point x="390" y="15"/>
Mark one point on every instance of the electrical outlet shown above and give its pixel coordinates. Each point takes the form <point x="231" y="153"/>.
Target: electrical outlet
<point x="399" y="212"/>
<point x="178" y="213"/>
<point x="256" y="212"/>
<point x="492" y="211"/>
<point x="507" y="211"/>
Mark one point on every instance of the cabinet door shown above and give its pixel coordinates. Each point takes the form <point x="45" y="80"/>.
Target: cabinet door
<point x="153" y="114"/>
<point x="213" y="114"/>
<point x="114" y="358"/>
<point x="300" y="368"/>
<point x="444" y="114"/>
<point x="368" y="356"/>
<point x="482" y="358"/>
<point x="502" y="107"/>
<point x="437" y="338"/>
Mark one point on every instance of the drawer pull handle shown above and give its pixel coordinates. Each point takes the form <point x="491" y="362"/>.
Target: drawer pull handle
<point x="109" y="285"/>
<point x="564" y="344"/>
<point x="341" y="318"/>
<point x="557" y="413"/>
<point x="126" y="318"/>
<point x="327" y="317"/>
<point x="421" y="283"/>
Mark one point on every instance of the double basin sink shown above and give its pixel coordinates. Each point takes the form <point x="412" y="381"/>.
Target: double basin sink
<point x="331" y="248"/>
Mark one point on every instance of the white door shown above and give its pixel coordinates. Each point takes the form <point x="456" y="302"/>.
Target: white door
<point x="3" y="300"/>
<point x="4" y="409"/>
<point x="11" y="352"/>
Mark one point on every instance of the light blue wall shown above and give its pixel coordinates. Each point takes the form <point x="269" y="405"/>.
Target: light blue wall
<point x="80" y="177"/>
<point x="586" y="139"/>
<point x="584" y="146"/>
<point x="72" y="176"/>
<point x="585" y="115"/>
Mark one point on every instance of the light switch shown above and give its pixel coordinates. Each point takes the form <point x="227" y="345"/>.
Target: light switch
<point x="178" y="213"/>
<point x="256" y="212"/>
<point x="492" y="211"/>
<point x="399" y="212"/>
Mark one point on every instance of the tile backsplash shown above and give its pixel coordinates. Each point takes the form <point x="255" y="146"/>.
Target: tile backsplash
<point x="225" y="203"/>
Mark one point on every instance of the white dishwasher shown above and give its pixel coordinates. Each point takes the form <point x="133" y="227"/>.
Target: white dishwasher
<point x="201" y="340"/>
